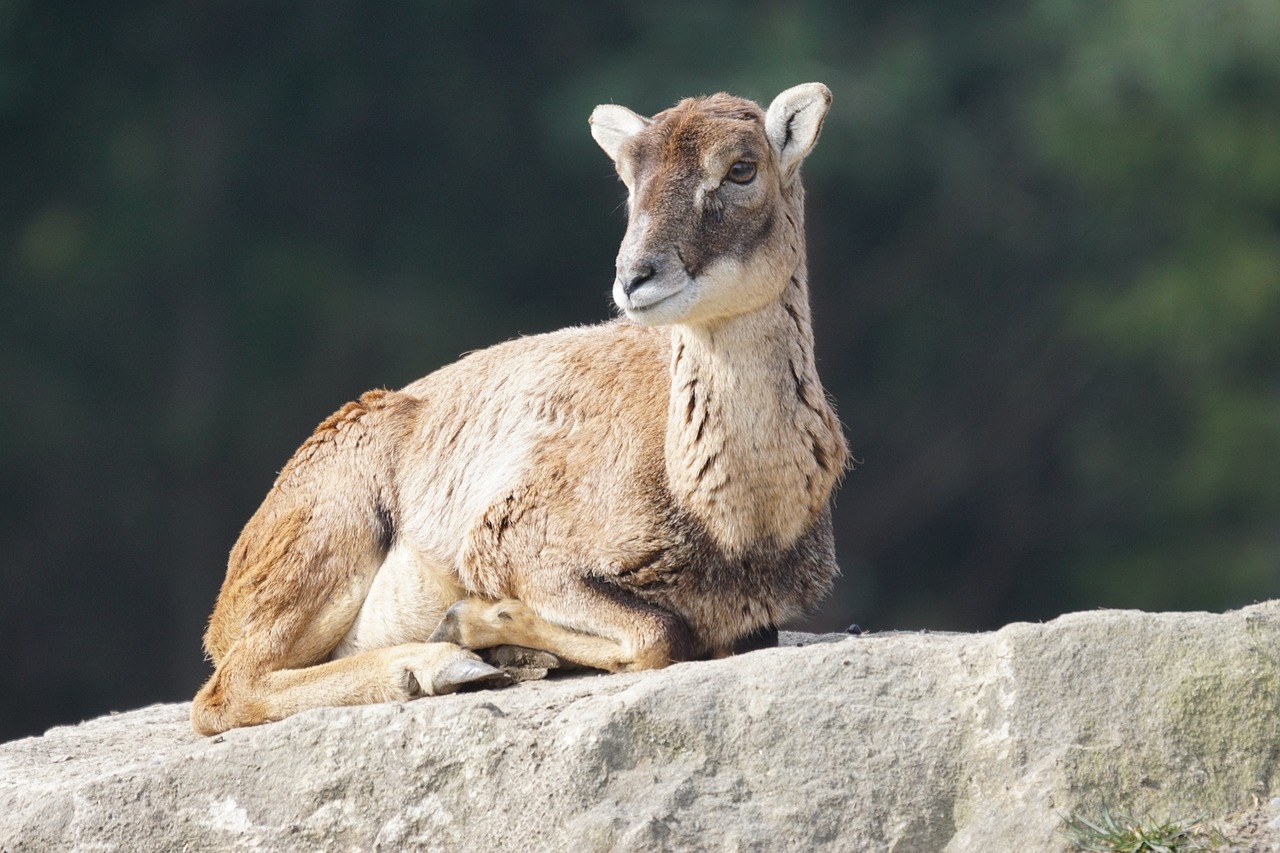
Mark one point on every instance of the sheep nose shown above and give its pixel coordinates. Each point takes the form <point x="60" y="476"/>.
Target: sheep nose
<point x="633" y="278"/>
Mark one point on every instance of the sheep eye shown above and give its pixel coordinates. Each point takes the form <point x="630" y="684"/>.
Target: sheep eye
<point x="742" y="172"/>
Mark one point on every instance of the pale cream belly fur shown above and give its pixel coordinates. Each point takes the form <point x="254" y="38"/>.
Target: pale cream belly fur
<point x="407" y="599"/>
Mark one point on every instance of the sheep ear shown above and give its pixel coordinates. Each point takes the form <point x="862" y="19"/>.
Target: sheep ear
<point x="793" y="122"/>
<point x="612" y="125"/>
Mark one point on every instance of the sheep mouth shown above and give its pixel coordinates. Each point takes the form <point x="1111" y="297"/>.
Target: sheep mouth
<point x="651" y="296"/>
<point x="658" y="300"/>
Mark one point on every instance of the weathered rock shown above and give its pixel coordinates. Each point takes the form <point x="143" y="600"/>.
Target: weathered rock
<point x="909" y="742"/>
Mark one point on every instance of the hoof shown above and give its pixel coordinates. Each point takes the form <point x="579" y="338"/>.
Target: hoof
<point x="521" y="663"/>
<point x="519" y="657"/>
<point x="450" y="628"/>
<point x="466" y="673"/>
<point x="521" y="674"/>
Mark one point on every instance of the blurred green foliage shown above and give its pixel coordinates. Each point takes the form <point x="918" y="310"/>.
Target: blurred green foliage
<point x="1045" y="251"/>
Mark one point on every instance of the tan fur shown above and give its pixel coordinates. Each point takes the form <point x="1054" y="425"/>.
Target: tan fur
<point x="621" y="496"/>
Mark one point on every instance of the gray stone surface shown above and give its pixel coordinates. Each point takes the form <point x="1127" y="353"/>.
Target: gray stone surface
<point x="905" y="741"/>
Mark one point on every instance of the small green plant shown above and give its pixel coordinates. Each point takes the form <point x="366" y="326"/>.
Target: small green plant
<point x="1118" y="832"/>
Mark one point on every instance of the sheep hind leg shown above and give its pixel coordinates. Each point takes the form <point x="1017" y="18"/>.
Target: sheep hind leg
<point x="239" y="694"/>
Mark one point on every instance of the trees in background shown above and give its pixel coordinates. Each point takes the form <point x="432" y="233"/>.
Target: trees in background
<point x="1045" y="249"/>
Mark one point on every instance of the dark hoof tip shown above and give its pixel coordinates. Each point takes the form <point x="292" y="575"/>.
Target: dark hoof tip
<point x="464" y="674"/>
<point x="519" y="657"/>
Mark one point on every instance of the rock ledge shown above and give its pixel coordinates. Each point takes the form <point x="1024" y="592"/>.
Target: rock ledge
<point x="909" y="742"/>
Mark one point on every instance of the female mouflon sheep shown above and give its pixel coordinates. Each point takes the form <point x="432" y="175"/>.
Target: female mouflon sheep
<point x="621" y="496"/>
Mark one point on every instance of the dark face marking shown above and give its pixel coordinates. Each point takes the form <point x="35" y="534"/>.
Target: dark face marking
<point x="701" y="175"/>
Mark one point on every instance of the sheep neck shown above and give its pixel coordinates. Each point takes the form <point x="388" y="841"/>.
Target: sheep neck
<point x="752" y="446"/>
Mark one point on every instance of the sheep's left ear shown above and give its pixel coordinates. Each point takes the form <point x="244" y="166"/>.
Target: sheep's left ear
<point x="793" y="122"/>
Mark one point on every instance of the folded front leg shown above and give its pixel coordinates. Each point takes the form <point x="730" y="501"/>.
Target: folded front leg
<point x="596" y="624"/>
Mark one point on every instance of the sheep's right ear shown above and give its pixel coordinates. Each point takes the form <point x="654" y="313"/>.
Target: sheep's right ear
<point x="612" y="125"/>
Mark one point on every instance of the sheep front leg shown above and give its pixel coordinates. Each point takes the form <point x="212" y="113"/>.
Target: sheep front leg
<point x="611" y="629"/>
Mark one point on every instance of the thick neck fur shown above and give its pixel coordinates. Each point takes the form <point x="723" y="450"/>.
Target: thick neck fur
<point x="753" y="447"/>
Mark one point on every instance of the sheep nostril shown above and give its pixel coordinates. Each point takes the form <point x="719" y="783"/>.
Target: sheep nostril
<point x="638" y="277"/>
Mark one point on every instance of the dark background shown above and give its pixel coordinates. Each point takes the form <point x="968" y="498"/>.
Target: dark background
<point x="1045" y="253"/>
